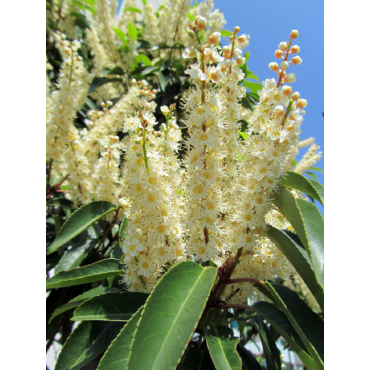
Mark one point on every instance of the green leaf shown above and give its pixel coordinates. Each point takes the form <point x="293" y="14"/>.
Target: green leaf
<point x="225" y="33"/>
<point x="195" y="359"/>
<point x="75" y="302"/>
<point x="78" y="5"/>
<point x="248" y="360"/>
<point x="115" y="358"/>
<point x="141" y="58"/>
<point x="246" y="56"/>
<point x="308" y="223"/>
<point x="299" y="182"/>
<point x="316" y="169"/>
<point x="191" y="17"/>
<point x="85" y="343"/>
<point x="80" y="20"/>
<point x="87" y="274"/>
<point x="52" y="261"/>
<point x="112" y="307"/>
<point x="312" y="175"/>
<point x="243" y="135"/>
<point x="251" y="75"/>
<point x="73" y="257"/>
<point x="246" y="103"/>
<point x="79" y="221"/>
<point x="319" y="188"/>
<point x="222" y="347"/>
<point x="253" y="86"/>
<point x="300" y="260"/>
<point x="272" y="354"/>
<point x="121" y="35"/>
<point x="132" y="9"/>
<point x="132" y="31"/>
<point x="122" y="231"/>
<point x="114" y="71"/>
<point x="306" y="323"/>
<point x="163" y="80"/>
<point x="281" y="323"/>
<point x="100" y="81"/>
<point x="90" y="2"/>
<point x="170" y="316"/>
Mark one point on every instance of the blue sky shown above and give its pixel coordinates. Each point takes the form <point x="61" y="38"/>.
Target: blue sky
<point x="270" y="22"/>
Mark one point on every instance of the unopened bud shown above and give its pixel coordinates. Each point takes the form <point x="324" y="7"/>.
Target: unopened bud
<point x="294" y="49"/>
<point x="191" y="33"/>
<point x="201" y="23"/>
<point x="102" y="104"/>
<point x="237" y="29"/>
<point x="296" y="96"/>
<point x="287" y="90"/>
<point x="215" y="38"/>
<point x="301" y="103"/>
<point x="109" y="103"/>
<point x="290" y="78"/>
<point x="294" y="34"/>
<point x="278" y="54"/>
<point x="283" y="46"/>
<point x="133" y="81"/>
<point x="273" y="66"/>
<point x="296" y="60"/>
<point x="241" y="39"/>
<point x="279" y="110"/>
<point x="284" y="65"/>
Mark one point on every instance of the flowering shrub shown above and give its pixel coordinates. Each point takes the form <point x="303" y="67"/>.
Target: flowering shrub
<point x="174" y="200"/>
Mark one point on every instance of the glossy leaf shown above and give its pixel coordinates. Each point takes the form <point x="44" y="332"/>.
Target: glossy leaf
<point x="243" y="135"/>
<point x="283" y="326"/>
<point x="86" y="274"/>
<point x="225" y="33"/>
<point x="115" y="71"/>
<point x="79" y="221"/>
<point x="311" y="174"/>
<point x="132" y="9"/>
<point x="253" y="86"/>
<point x="121" y="35"/>
<point x="272" y="354"/>
<point x="115" y="358"/>
<point x="132" y="31"/>
<point x="85" y="343"/>
<point x="170" y="316"/>
<point x="97" y="82"/>
<point x="299" y="182"/>
<point x="52" y="261"/>
<point x="73" y="257"/>
<point x="300" y="260"/>
<point x="196" y="359"/>
<point x="75" y="302"/>
<point x="164" y="80"/>
<point x="222" y="347"/>
<point x="305" y="322"/>
<point x="308" y="223"/>
<point x="122" y="231"/>
<point x="316" y="169"/>
<point x="249" y="362"/>
<point x="141" y="58"/>
<point x="110" y="307"/>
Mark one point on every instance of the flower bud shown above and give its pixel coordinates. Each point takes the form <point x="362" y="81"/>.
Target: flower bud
<point x="237" y="29"/>
<point x="296" y="96"/>
<point x="294" y="34"/>
<point x="201" y="23"/>
<point x="283" y="46"/>
<point x="273" y="66"/>
<point x="278" y="54"/>
<point x="287" y="90"/>
<point x="301" y="103"/>
<point x="284" y="65"/>
<point x="279" y="110"/>
<point x="109" y="103"/>
<point x="241" y="39"/>
<point x="165" y="110"/>
<point x="215" y="38"/>
<point x="240" y="61"/>
<point x="294" y="49"/>
<point x="290" y="78"/>
<point x="191" y="33"/>
<point x="133" y="81"/>
<point x="296" y="60"/>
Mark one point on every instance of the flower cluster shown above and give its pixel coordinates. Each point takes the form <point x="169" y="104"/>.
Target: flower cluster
<point x="204" y="197"/>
